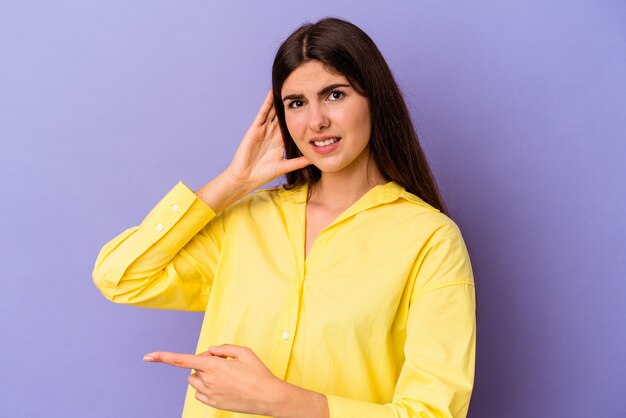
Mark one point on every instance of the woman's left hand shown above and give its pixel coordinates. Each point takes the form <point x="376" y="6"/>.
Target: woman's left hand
<point x="228" y="377"/>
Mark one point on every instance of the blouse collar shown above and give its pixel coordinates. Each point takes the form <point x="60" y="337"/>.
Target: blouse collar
<point x="377" y="195"/>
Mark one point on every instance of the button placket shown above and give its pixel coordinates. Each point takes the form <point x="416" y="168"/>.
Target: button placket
<point x="285" y="334"/>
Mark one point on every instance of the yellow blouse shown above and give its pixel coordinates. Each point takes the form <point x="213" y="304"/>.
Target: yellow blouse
<point x="380" y="316"/>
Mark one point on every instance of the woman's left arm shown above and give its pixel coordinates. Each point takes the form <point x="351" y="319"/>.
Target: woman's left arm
<point x="437" y="374"/>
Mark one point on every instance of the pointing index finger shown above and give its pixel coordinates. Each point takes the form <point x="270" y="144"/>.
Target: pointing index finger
<point x="187" y="361"/>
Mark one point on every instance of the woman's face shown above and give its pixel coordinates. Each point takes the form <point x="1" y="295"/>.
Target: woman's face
<point x="327" y="118"/>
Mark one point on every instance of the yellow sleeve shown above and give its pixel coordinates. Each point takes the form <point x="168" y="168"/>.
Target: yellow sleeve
<point x="168" y="261"/>
<point x="437" y="376"/>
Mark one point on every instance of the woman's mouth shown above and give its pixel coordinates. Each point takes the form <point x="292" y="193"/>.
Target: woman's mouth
<point x="326" y="146"/>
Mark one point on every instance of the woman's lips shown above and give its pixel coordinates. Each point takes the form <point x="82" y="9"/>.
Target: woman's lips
<point x="325" y="149"/>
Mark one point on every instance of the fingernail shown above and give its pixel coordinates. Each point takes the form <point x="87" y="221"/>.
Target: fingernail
<point x="148" y="358"/>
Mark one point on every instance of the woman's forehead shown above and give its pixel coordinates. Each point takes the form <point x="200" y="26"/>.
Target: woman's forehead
<point x="310" y="77"/>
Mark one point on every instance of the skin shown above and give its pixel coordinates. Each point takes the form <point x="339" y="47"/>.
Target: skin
<point x="349" y="171"/>
<point x="232" y="377"/>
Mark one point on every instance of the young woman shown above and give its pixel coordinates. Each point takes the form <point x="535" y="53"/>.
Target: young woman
<point x="346" y="292"/>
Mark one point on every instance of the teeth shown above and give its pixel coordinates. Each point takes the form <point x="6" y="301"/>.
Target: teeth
<point x="324" y="143"/>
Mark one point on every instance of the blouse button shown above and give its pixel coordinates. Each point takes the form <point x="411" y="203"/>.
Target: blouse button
<point x="159" y="227"/>
<point x="175" y="208"/>
<point x="285" y="335"/>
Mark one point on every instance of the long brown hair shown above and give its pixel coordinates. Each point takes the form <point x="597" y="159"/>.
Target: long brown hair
<point x="346" y="49"/>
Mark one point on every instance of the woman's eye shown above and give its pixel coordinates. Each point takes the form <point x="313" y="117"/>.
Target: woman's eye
<point x="336" y="95"/>
<point x="295" y="104"/>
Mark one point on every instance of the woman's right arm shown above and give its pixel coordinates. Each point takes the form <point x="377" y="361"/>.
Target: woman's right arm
<point x="168" y="261"/>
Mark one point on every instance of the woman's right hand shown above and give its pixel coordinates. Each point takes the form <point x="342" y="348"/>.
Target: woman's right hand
<point x="259" y="158"/>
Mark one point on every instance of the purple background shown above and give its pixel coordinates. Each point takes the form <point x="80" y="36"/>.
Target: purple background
<point x="520" y="105"/>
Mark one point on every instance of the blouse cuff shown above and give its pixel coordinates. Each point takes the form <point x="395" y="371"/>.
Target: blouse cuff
<point x="179" y="206"/>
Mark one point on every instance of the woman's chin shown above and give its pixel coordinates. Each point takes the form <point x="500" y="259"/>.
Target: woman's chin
<point x="327" y="168"/>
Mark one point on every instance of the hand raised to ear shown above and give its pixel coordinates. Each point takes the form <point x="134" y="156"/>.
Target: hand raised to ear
<point x="259" y="157"/>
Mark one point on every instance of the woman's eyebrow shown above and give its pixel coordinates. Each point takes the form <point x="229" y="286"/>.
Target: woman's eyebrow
<point x="322" y="92"/>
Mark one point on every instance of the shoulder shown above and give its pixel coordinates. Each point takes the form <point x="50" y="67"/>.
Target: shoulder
<point x="281" y="194"/>
<point x="259" y="202"/>
<point x="413" y="210"/>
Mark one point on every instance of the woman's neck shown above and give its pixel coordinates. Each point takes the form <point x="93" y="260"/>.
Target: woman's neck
<point x="337" y="191"/>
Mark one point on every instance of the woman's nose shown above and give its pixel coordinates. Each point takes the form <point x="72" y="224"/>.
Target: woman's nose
<point x="318" y="119"/>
